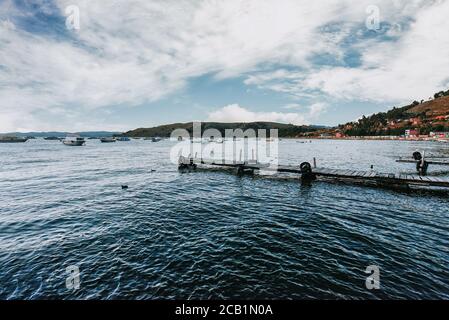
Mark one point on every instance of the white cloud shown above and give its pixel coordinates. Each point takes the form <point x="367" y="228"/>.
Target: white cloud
<point x="311" y="112"/>
<point x="236" y="113"/>
<point x="134" y="52"/>
<point x="411" y="67"/>
<point x="293" y="106"/>
<point x="317" y="109"/>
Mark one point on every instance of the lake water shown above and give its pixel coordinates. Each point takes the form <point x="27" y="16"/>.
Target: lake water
<point x="212" y="234"/>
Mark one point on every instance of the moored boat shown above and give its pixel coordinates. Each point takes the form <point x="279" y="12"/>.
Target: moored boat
<point x="107" y="140"/>
<point x="123" y="139"/>
<point x="6" y="139"/>
<point x="74" y="141"/>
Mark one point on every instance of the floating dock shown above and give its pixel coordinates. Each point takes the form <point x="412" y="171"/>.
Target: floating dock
<point x="309" y="173"/>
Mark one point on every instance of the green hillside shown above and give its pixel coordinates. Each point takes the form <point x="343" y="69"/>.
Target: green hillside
<point x="424" y="116"/>
<point x="285" y="130"/>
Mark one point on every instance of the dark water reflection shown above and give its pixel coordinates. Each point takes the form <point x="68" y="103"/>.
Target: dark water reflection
<point x="212" y="234"/>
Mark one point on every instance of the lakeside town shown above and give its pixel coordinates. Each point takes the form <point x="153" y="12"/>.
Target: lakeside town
<point x="409" y="135"/>
<point x="421" y="121"/>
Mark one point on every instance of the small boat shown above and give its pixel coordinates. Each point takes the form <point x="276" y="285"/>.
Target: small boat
<point x="107" y="140"/>
<point x="157" y="139"/>
<point x="123" y="139"/>
<point x="52" y="138"/>
<point x="74" y="141"/>
<point x="6" y="139"/>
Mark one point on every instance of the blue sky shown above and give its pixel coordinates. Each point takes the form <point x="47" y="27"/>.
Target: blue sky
<point x="136" y="63"/>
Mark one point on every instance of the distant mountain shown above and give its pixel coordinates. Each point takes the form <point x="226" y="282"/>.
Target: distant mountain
<point x="62" y="134"/>
<point x="424" y="116"/>
<point x="284" y="130"/>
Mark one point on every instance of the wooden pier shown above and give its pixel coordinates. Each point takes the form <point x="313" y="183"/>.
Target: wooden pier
<point x="309" y="173"/>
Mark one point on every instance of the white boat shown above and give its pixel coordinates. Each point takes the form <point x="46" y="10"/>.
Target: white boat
<point x="74" y="141"/>
<point x="107" y="140"/>
<point x="123" y="139"/>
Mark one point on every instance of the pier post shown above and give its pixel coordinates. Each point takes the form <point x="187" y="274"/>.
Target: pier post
<point x="422" y="165"/>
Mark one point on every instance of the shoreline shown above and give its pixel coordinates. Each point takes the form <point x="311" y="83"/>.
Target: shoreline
<point x="374" y="139"/>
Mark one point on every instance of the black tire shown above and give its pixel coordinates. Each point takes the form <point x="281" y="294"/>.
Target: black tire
<point x="417" y="156"/>
<point x="305" y="167"/>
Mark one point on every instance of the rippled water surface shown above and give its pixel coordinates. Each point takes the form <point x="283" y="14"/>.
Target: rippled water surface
<point x="212" y="234"/>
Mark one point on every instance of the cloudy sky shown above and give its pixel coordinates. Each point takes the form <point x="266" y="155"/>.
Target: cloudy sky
<point x="139" y="63"/>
